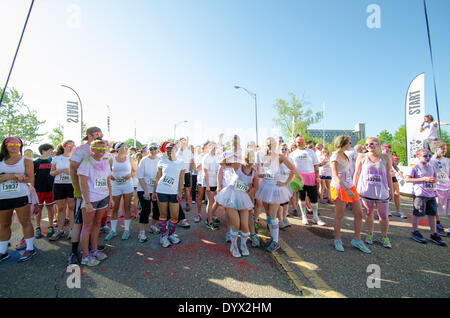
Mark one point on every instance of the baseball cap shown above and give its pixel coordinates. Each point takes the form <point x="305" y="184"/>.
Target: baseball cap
<point x="92" y="130"/>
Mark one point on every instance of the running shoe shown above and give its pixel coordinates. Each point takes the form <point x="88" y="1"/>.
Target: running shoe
<point x="369" y="239"/>
<point x="50" y="231"/>
<point x="244" y="249"/>
<point x="193" y="202"/>
<point x="142" y="238"/>
<point x="105" y="229"/>
<point x="99" y="255"/>
<point x="400" y="215"/>
<point x="110" y="236"/>
<point x="286" y="222"/>
<point x="273" y="247"/>
<point x="56" y="236"/>
<point x="164" y="241"/>
<point x="255" y="240"/>
<point x="360" y="245"/>
<point x="386" y="242"/>
<point x="27" y="255"/>
<point x="390" y="214"/>
<point x="90" y="261"/>
<point x="184" y="224"/>
<point x="305" y="220"/>
<point x="235" y="250"/>
<point x="416" y="236"/>
<point x="440" y="230"/>
<point x="73" y="259"/>
<point x="197" y="218"/>
<point x="338" y="245"/>
<point x="318" y="221"/>
<point x="173" y="239"/>
<point x="294" y="212"/>
<point x="268" y="243"/>
<point x="212" y="226"/>
<point x="228" y="237"/>
<point x="215" y="220"/>
<point x="21" y="245"/>
<point x="154" y="229"/>
<point x="38" y="234"/>
<point x="101" y="247"/>
<point x="126" y="235"/>
<point x="436" y="239"/>
<point x="282" y="225"/>
<point x="4" y="257"/>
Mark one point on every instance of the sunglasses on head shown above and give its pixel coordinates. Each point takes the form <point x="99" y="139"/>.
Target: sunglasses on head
<point x="99" y="148"/>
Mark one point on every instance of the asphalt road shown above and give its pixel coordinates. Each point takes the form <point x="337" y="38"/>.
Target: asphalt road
<point x="201" y="265"/>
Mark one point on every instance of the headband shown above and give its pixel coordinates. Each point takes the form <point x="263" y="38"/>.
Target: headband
<point x="118" y="145"/>
<point x="9" y="138"/>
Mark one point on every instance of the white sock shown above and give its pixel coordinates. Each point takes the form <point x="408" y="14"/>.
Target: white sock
<point x="303" y="208"/>
<point x="3" y="247"/>
<point x="30" y="245"/>
<point x="275" y="230"/>
<point x="142" y="233"/>
<point x="315" y="207"/>
<point x="244" y="238"/>
<point x="114" y="225"/>
<point x="127" y="225"/>
<point x="234" y="237"/>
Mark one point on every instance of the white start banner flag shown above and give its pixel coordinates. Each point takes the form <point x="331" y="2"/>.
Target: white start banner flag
<point x="415" y="111"/>
<point x="72" y="117"/>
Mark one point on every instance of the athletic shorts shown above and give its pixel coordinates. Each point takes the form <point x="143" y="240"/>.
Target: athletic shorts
<point x="424" y="206"/>
<point x="342" y="195"/>
<point x="325" y="178"/>
<point x="97" y="205"/>
<point x="394" y="179"/>
<point x="120" y="190"/>
<point x="312" y="193"/>
<point x="14" y="203"/>
<point x="187" y="180"/>
<point x="284" y="204"/>
<point x="62" y="191"/>
<point x="213" y="189"/>
<point x="163" y="198"/>
<point x="46" y="197"/>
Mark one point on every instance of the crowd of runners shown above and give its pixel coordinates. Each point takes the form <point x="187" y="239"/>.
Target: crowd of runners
<point x="86" y="188"/>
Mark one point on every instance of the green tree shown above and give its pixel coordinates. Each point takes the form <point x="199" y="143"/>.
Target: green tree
<point x="17" y="119"/>
<point x="398" y="144"/>
<point x="385" y="137"/>
<point x="130" y="143"/>
<point x="57" y="136"/>
<point x="295" y="110"/>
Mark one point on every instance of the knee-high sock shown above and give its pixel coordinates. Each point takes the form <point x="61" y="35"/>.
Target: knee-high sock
<point x="127" y="224"/>
<point x="302" y="207"/>
<point x="269" y="224"/>
<point x="163" y="226"/>
<point x="172" y="227"/>
<point x="275" y="230"/>
<point x="315" y="207"/>
<point x="114" y="225"/>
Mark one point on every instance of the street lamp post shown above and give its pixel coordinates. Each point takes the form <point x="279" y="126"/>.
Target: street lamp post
<point x="256" y="110"/>
<point x="175" y="128"/>
<point x="81" y="108"/>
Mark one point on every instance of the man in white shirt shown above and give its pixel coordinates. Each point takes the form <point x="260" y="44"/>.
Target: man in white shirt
<point x="186" y="156"/>
<point x="307" y="164"/>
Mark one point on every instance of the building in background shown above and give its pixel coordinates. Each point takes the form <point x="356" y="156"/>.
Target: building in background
<point x="358" y="133"/>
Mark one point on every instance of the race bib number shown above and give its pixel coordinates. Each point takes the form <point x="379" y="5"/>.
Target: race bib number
<point x="10" y="186"/>
<point x="268" y="174"/>
<point x="121" y="180"/>
<point x="430" y="186"/>
<point x="101" y="184"/>
<point x="168" y="181"/>
<point x="374" y="178"/>
<point x="442" y="177"/>
<point x="151" y="182"/>
<point x="241" y="186"/>
<point x="64" y="177"/>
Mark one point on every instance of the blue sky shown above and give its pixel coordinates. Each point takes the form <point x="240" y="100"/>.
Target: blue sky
<point x="161" y="62"/>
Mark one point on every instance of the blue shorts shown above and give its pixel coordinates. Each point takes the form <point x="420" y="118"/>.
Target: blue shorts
<point x="325" y="178"/>
<point x="162" y="197"/>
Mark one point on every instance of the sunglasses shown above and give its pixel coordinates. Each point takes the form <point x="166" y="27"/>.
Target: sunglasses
<point x="68" y="145"/>
<point x="427" y="156"/>
<point x="123" y="147"/>
<point x="370" y="144"/>
<point x="152" y="148"/>
<point x="284" y="149"/>
<point x="13" y="144"/>
<point x="98" y="148"/>
<point x="98" y="134"/>
<point x="28" y="153"/>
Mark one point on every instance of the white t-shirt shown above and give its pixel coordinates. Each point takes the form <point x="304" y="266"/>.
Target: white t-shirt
<point x="81" y="153"/>
<point x="325" y="170"/>
<point x="147" y="170"/>
<point x="97" y="173"/>
<point x="343" y="171"/>
<point x="429" y="131"/>
<point x="304" y="160"/>
<point x="170" y="177"/>
<point x="211" y="163"/>
<point x="198" y="162"/>
<point x="61" y="163"/>
<point x="185" y="157"/>
<point x="285" y="171"/>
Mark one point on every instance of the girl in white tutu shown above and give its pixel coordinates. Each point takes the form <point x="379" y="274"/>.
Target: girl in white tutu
<point x="237" y="202"/>
<point x="272" y="192"/>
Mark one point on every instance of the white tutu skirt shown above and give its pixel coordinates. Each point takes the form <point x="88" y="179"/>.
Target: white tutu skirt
<point x="273" y="194"/>
<point x="229" y="197"/>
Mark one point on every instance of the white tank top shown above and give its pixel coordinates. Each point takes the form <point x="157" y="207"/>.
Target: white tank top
<point x="12" y="189"/>
<point x="120" y="170"/>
